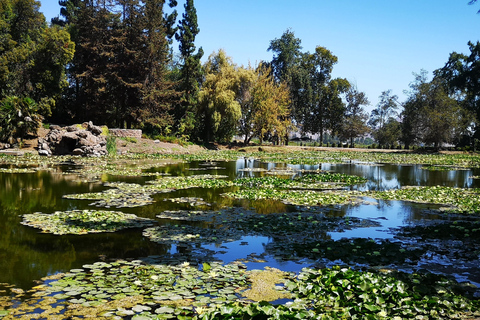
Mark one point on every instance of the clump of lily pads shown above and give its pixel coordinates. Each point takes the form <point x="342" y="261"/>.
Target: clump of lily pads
<point x="84" y="221"/>
<point x="457" y="200"/>
<point x="322" y="180"/>
<point x="295" y="197"/>
<point x="442" y="168"/>
<point x="350" y="251"/>
<point x="124" y="194"/>
<point x="214" y="291"/>
<point x="346" y="293"/>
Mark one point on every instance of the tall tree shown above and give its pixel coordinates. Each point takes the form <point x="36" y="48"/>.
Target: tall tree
<point x="158" y="91"/>
<point x="286" y="52"/>
<point x="430" y="115"/>
<point x="32" y="55"/>
<point x="383" y="118"/>
<point x="355" y="120"/>
<point x="190" y="69"/>
<point x="317" y="105"/>
<point x="265" y="105"/>
<point x="119" y="75"/>
<point x="219" y="111"/>
<point x="462" y="73"/>
<point x="286" y="68"/>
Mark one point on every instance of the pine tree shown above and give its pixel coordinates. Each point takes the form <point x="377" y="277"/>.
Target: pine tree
<point x="190" y="70"/>
<point x="158" y="92"/>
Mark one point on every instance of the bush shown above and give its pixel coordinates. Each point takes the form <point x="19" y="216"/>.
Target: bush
<point x="18" y="118"/>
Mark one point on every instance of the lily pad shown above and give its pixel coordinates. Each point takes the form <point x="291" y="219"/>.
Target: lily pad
<point x="83" y="222"/>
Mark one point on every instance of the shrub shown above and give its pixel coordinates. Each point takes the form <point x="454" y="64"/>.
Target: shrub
<point x="18" y="118"/>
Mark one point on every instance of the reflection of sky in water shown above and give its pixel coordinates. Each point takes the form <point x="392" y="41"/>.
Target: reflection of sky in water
<point x="252" y="247"/>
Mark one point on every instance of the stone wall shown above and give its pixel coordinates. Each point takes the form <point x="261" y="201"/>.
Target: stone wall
<point x="123" y="133"/>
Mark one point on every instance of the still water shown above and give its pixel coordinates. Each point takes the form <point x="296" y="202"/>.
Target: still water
<point x="27" y="255"/>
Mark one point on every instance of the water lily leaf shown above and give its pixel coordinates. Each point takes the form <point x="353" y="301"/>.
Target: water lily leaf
<point x="164" y="310"/>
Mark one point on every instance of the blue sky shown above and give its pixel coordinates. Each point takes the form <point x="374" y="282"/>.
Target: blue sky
<point x="379" y="43"/>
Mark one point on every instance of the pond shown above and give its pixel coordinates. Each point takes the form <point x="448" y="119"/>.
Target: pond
<point x="198" y="212"/>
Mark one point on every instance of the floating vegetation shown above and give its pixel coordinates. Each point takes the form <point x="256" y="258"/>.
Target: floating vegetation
<point x="193" y="201"/>
<point x="466" y="231"/>
<point x="252" y="170"/>
<point x="203" y="181"/>
<point x="190" y="235"/>
<point x="214" y="291"/>
<point x="275" y="188"/>
<point x="232" y="224"/>
<point x="17" y="170"/>
<point x="297" y="227"/>
<point x="265" y="285"/>
<point x="130" y="195"/>
<point x="457" y="200"/>
<point x="84" y="221"/>
<point x="123" y="195"/>
<point x="350" y="251"/>
<point x="105" y="290"/>
<point x="442" y="168"/>
<point x="341" y="293"/>
<point x="296" y="197"/>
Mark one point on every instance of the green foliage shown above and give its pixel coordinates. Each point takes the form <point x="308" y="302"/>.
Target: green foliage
<point x="383" y="119"/>
<point x="466" y="201"/>
<point x="190" y="70"/>
<point x="218" y="109"/>
<point x="462" y="75"/>
<point x="111" y="145"/>
<point x="32" y="56"/>
<point x="18" y="118"/>
<point x="430" y="115"/>
<point x="120" y="64"/>
<point x="355" y="119"/>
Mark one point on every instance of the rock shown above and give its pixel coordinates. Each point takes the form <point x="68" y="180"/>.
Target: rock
<point x="77" y="152"/>
<point x="72" y="128"/>
<point x="96" y="130"/>
<point x="44" y="153"/>
<point x="77" y="142"/>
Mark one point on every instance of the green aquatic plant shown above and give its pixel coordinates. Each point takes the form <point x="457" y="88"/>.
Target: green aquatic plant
<point x="457" y="200"/>
<point x="84" y="221"/>
<point x="215" y="291"/>
<point x="296" y="197"/>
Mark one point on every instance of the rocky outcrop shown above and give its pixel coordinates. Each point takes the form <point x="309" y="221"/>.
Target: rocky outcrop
<point x="73" y="140"/>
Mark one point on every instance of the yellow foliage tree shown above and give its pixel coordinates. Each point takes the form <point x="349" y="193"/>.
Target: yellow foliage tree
<point x="270" y="108"/>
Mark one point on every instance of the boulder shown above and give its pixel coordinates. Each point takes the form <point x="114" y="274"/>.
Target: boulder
<point x="72" y="140"/>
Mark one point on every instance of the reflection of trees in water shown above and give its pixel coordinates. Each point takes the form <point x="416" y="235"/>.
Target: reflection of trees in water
<point x="39" y="191"/>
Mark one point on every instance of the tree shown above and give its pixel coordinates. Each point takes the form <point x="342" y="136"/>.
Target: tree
<point x="119" y="74"/>
<point x="218" y="109"/>
<point x="430" y="115"/>
<point x="286" y="68"/>
<point x="286" y="52"/>
<point x="158" y="91"/>
<point x="355" y="120"/>
<point x="320" y="96"/>
<point x="32" y="55"/>
<point x="268" y="103"/>
<point x="383" y="120"/>
<point x="190" y="69"/>
<point x="462" y="73"/>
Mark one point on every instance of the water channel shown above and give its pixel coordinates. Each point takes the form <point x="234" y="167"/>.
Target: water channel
<point x="27" y="255"/>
